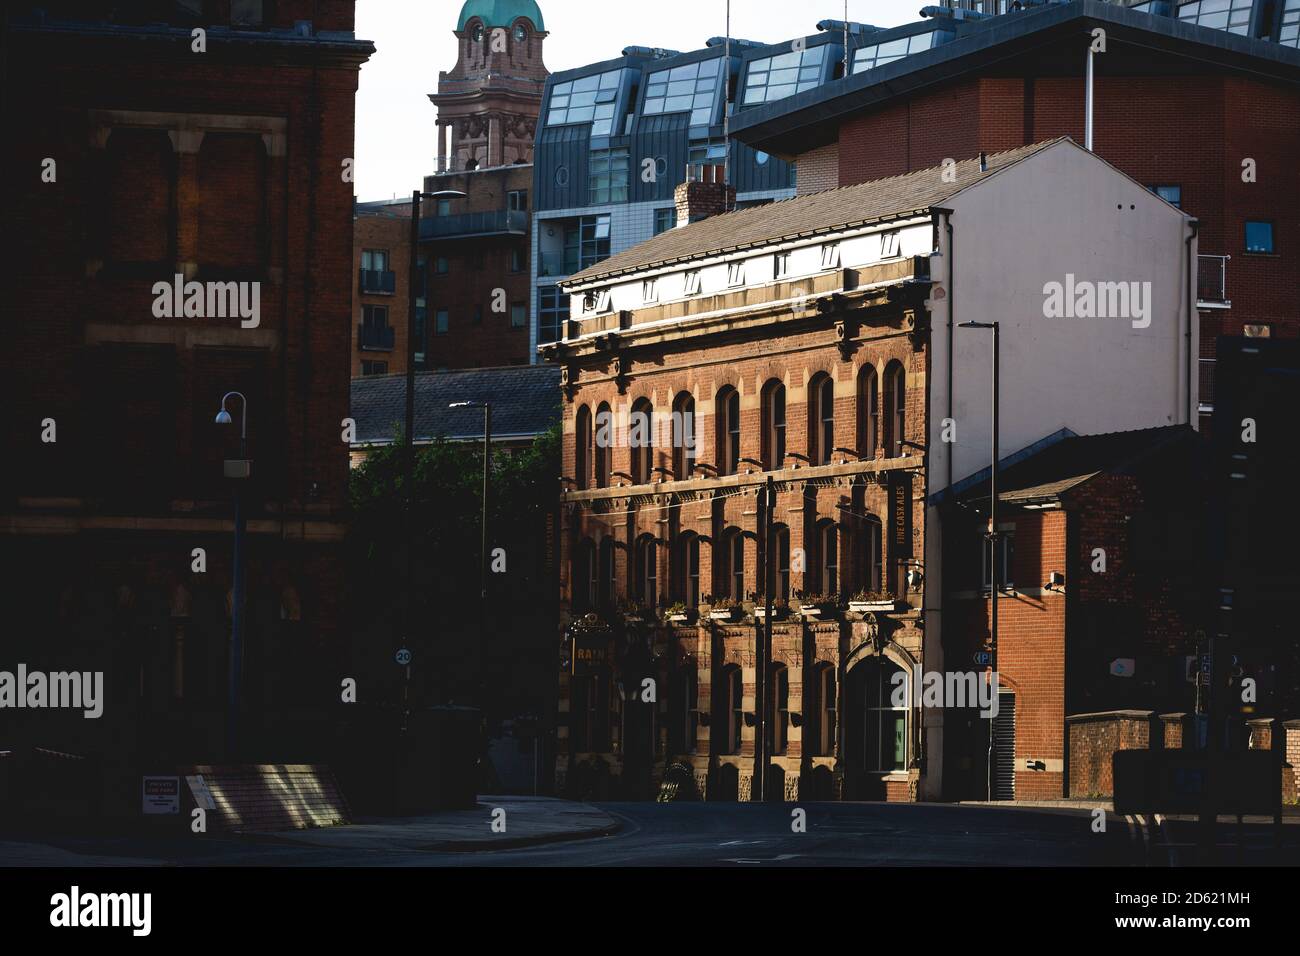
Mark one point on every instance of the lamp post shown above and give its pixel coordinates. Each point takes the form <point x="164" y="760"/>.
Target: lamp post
<point x="994" y="562"/>
<point x="484" y="557"/>
<point x="239" y="470"/>
<point x="409" y="428"/>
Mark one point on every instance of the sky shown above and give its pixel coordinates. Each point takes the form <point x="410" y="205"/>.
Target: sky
<point x="414" y="40"/>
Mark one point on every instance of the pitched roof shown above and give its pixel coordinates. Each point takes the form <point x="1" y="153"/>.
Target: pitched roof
<point x="1074" y="459"/>
<point x="525" y="402"/>
<point x="786" y="219"/>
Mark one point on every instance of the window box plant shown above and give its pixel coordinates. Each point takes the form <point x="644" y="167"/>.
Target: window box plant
<point x="814" y="607"/>
<point x="723" y="609"/>
<point x="864" y="602"/>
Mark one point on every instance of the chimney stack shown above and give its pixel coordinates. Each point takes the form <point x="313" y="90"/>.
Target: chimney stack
<point x="705" y="193"/>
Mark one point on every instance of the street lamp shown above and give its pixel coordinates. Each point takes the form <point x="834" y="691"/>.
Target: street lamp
<point x="994" y="563"/>
<point x="484" y="560"/>
<point x="409" y="431"/>
<point x="238" y="469"/>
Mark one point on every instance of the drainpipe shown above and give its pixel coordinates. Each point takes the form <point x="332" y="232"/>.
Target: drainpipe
<point x="952" y="304"/>
<point x="1194" y="279"/>
<point x="1087" y="105"/>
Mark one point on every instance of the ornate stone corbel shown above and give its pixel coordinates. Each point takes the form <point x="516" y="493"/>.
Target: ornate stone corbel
<point x="845" y="329"/>
<point x="569" y="381"/>
<point x="622" y="372"/>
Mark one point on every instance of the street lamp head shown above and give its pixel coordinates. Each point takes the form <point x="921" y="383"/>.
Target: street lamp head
<point x="976" y="325"/>
<point x="445" y="194"/>
<point x="223" y="417"/>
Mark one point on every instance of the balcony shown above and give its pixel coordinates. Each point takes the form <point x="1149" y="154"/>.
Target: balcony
<point x="375" y="338"/>
<point x="378" y="282"/>
<point x="501" y="222"/>
<point x="1212" y="282"/>
<point x="1205" y="387"/>
<point x="556" y="264"/>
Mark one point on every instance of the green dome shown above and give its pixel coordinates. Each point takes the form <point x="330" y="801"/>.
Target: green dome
<point x="500" y="13"/>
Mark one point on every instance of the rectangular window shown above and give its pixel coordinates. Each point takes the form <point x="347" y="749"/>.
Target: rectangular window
<point x="369" y="367"/>
<point x="518" y="260"/>
<point x="552" y="310"/>
<point x="591" y="99"/>
<point x="735" y="273"/>
<point x="441" y="265"/>
<point x="692" y="88"/>
<point x="442" y="322"/>
<point x="608" y="179"/>
<point x="375" y="316"/>
<point x="517" y="200"/>
<point x="1289" y="32"/>
<point x="1259" y="236"/>
<point x="1170" y="194"/>
<point x="518" y="315"/>
<point x="781" y="267"/>
<point x="374" y="260"/>
<point x="650" y="291"/>
<point x="1006" y="555"/>
<point x="889" y="243"/>
<point x="879" y="54"/>
<point x="444" y="207"/>
<point x="1230" y="15"/>
<point x="665" y="219"/>
<point x="776" y="77"/>
<point x="831" y="255"/>
<point x="692" y="282"/>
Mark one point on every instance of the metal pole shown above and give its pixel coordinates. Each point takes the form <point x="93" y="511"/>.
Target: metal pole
<point x="483" y="594"/>
<point x="408" y="606"/>
<point x="236" y="616"/>
<point x="995" y="556"/>
<point x="1087" y="105"/>
<point x="769" y="585"/>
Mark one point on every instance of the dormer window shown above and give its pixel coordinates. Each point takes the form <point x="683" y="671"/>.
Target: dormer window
<point x="650" y="291"/>
<point x="735" y="273"/>
<point x="476" y="33"/>
<point x="692" y="282"/>
<point x="889" y="242"/>
<point x="599" y="300"/>
<point x="831" y="255"/>
<point x="521" y="33"/>
<point x="782" y="265"/>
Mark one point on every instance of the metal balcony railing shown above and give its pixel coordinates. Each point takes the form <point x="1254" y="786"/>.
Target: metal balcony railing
<point x="378" y="281"/>
<point x="1205" y="389"/>
<point x="1212" y="280"/>
<point x="375" y="338"/>
<point x="495" y="223"/>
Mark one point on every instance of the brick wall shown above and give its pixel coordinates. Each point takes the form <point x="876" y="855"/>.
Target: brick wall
<point x="818" y="169"/>
<point x="1093" y="739"/>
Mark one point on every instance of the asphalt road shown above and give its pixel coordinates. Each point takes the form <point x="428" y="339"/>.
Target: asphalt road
<point x="715" y="835"/>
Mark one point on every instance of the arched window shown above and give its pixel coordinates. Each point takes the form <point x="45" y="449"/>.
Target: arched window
<point x="603" y="443"/>
<point x="781" y="545"/>
<point x="582" y="448"/>
<point x="686" y="570"/>
<point x="647" y="564"/>
<point x="870" y="554"/>
<point x="819" y="737"/>
<point x="778" y="735"/>
<point x="640" y="441"/>
<point x="728" y="434"/>
<point x="729" y="565"/>
<point x="827" y="558"/>
<point x="605" y="584"/>
<point x="683" y="435"/>
<point x="876" y="734"/>
<point x="584" y="576"/>
<point x="773" y="425"/>
<point x="733" y="715"/>
<point x="868" y="410"/>
<point x="895" y="410"/>
<point x="821" y="419"/>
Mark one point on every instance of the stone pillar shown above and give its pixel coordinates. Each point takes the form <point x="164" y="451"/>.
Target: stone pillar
<point x="495" y="156"/>
<point x="442" y="147"/>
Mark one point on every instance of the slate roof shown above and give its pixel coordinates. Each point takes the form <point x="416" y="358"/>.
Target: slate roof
<point x="525" y="402"/>
<point x="802" y="216"/>
<point x="1074" y="459"/>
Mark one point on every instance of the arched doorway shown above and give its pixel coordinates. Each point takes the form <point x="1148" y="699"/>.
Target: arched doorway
<point x="875" y="726"/>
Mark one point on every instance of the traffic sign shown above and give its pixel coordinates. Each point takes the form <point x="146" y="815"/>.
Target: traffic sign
<point x="403" y="657"/>
<point x="983" y="658"/>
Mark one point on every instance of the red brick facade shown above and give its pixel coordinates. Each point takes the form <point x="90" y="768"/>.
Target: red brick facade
<point x="222" y="166"/>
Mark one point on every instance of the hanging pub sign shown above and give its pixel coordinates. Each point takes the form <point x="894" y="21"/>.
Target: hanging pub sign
<point x="900" y="516"/>
<point x="590" y="655"/>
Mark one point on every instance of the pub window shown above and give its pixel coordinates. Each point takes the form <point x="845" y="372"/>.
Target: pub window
<point x="685" y="708"/>
<point x="821" y="419"/>
<point x="827" y="558"/>
<point x="731" y="564"/>
<point x="686" y="570"/>
<point x="582" y="448"/>
<point x="895" y="410"/>
<point x="606" y="586"/>
<point x="869" y="554"/>
<point x="728" y="431"/>
<point x="734" y="712"/>
<point x="779" y="704"/>
<point x="647" y="562"/>
<point x="781" y="544"/>
<point x="821" y="725"/>
<point x="868" y="409"/>
<point x="640" y="440"/>
<point x="603" y="443"/>
<point x="683" y="435"/>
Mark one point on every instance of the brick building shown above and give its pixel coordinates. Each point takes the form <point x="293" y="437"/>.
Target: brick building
<point x="472" y="302"/>
<point x="150" y="156"/>
<point x="1201" y="106"/>
<point x="807" y="343"/>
